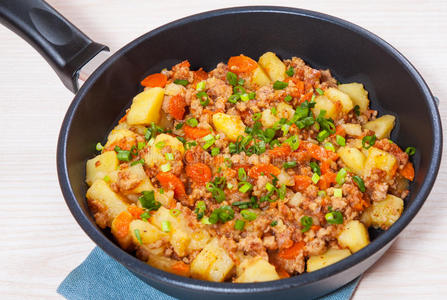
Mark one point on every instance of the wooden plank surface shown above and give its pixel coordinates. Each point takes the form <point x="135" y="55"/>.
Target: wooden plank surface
<point x="40" y="243"/>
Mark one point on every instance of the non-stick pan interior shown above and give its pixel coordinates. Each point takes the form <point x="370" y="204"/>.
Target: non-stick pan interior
<point x="208" y="40"/>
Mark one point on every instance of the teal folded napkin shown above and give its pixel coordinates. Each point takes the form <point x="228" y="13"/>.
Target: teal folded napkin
<point x="100" y="277"/>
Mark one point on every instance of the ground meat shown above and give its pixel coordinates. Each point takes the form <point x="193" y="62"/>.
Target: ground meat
<point x="252" y="245"/>
<point x="375" y="185"/>
<point x="327" y="80"/>
<point x="292" y="266"/>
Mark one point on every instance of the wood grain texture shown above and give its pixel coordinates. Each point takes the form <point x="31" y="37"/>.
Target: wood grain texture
<point x="37" y="255"/>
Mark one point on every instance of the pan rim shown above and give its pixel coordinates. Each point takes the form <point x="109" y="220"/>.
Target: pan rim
<point x="144" y="270"/>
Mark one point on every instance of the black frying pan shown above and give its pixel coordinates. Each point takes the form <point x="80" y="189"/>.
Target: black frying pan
<point x="352" y="54"/>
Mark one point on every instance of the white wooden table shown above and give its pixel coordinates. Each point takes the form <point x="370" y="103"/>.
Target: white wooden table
<point x="40" y="242"/>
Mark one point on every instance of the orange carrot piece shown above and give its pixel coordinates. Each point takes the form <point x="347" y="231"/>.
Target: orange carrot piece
<point x="155" y="80"/>
<point x="282" y="273"/>
<point x="194" y="132"/>
<point x="171" y="182"/>
<point x="124" y="118"/>
<point x="122" y="222"/>
<point x="180" y="268"/>
<point x="301" y="182"/>
<point x="176" y="107"/>
<point x="241" y="64"/>
<point x="199" y="173"/>
<point x="408" y="171"/>
<point x="199" y="75"/>
<point x="326" y="180"/>
<point x="293" y="251"/>
<point x="266" y="169"/>
<point x="135" y="211"/>
<point x="280" y="151"/>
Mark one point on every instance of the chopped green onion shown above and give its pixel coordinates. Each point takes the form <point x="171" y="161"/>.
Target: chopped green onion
<point x="369" y="141"/>
<point x="245" y="187"/>
<point x="322" y="193"/>
<point x="175" y="212"/>
<point x="215" y="151"/>
<point x="145" y="216"/>
<point x="138" y="236"/>
<point x="357" y="110"/>
<point x="160" y="145"/>
<point x="151" y="142"/>
<point x="239" y="225"/>
<point x="209" y="141"/>
<point x="161" y="191"/>
<point x="282" y="192"/>
<point x="200" y="209"/>
<point x="222" y="214"/>
<point x="289" y="164"/>
<point x="140" y="161"/>
<point x="290" y="71"/>
<point x="315" y="167"/>
<point x="410" y="150"/>
<point x="166" y="226"/>
<point x="341" y="175"/>
<point x="169" y="156"/>
<point x="201" y="86"/>
<point x="232" y="78"/>
<point x="319" y="91"/>
<point x="228" y="162"/>
<point x="256" y="116"/>
<point x="274" y="223"/>
<point x="329" y="146"/>
<point x="183" y="82"/>
<point x="245" y="97"/>
<point x="340" y="140"/>
<point x="165" y="167"/>
<point x="269" y="187"/>
<point x="192" y="122"/>
<point x="334" y="217"/>
<point x="234" y="98"/>
<point x="360" y="183"/>
<point x="179" y="126"/>
<point x="123" y="155"/>
<point x="189" y="145"/>
<point x="288" y="98"/>
<point x="148" y="201"/>
<point x="274" y="111"/>
<point x="206" y="221"/>
<point x="251" y="95"/>
<point x="338" y="193"/>
<point x="141" y="145"/>
<point x="322" y="135"/>
<point x="294" y="142"/>
<point x="248" y="215"/>
<point x="306" y="222"/>
<point x="204" y="99"/>
<point x="242" y="174"/>
<point x="315" y="178"/>
<point x="279" y="85"/>
<point x="106" y="178"/>
<point x="229" y="186"/>
<point x="312" y="100"/>
<point x="99" y="147"/>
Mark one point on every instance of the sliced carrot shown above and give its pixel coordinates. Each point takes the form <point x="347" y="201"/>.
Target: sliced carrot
<point x="293" y="251"/>
<point x="339" y="130"/>
<point x="124" y="118"/>
<point x="241" y="64"/>
<point x="315" y="227"/>
<point x="180" y="268"/>
<point x="280" y="151"/>
<point x="121" y="224"/>
<point x="301" y="182"/>
<point x="171" y="182"/>
<point x="266" y="169"/>
<point x="317" y="152"/>
<point x="176" y="107"/>
<point x="408" y="171"/>
<point x="155" y="80"/>
<point x="135" y="211"/>
<point x="199" y="75"/>
<point x="282" y="273"/>
<point x="199" y="173"/>
<point x="194" y="132"/>
<point x="326" y="180"/>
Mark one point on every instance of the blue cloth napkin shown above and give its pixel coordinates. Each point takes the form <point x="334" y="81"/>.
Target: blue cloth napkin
<point x="100" y="277"/>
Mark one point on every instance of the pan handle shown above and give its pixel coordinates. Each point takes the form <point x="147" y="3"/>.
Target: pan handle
<point x="64" y="47"/>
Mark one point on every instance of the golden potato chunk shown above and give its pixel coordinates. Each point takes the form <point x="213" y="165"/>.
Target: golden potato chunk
<point x="332" y="256"/>
<point x="259" y="77"/>
<point x="273" y="66"/>
<point x="383" y="214"/>
<point x="145" y="107"/>
<point x="379" y="159"/>
<point x="358" y="94"/>
<point x="155" y="156"/>
<point x="352" y="129"/>
<point x="335" y="95"/>
<point x="381" y="126"/>
<point x="231" y="125"/>
<point x="256" y="270"/>
<point x="354" y="236"/>
<point x="101" y="165"/>
<point x="121" y="136"/>
<point x="212" y="263"/>
<point x="353" y="158"/>
<point x="323" y="103"/>
<point x="147" y="232"/>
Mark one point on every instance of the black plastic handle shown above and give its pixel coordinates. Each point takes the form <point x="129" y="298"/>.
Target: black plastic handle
<point x="62" y="45"/>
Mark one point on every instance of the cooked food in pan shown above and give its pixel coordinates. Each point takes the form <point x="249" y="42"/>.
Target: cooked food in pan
<point x="254" y="171"/>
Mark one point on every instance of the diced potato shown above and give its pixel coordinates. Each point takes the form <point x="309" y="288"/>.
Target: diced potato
<point x="358" y="94"/>
<point x="381" y="126"/>
<point x="383" y="214"/>
<point x="354" y="236"/>
<point x="230" y="125"/>
<point x="267" y="118"/>
<point x="166" y="199"/>
<point x="257" y="270"/>
<point x="212" y="263"/>
<point x="323" y="103"/>
<point x="379" y="159"/>
<point x="101" y="192"/>
<point x="133" y="180"/>
<point x="259" y="77"/>
<point x="332" y="256"/>
<point x="273" y="66"/>
<point x="285" y="110"/>
<point x="167" y="264"/>
<point x="285" y="178"/>
<point x="173" y="89"/>
<point x="335" y="94"/>
<point x="100" y="166"/>
<point x="145" y="107"/>
<point x="124" y="241"/>
<point x="353" y="158"/>
<point x="352" y="129"/>
<point x="155" y="155"/>
<point x="199" y="239"/>
<point x="121" y="136"/>
<point x="148" y="232"/>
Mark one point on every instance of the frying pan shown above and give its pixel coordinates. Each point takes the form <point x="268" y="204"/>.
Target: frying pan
<point x="350" y="52"/>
